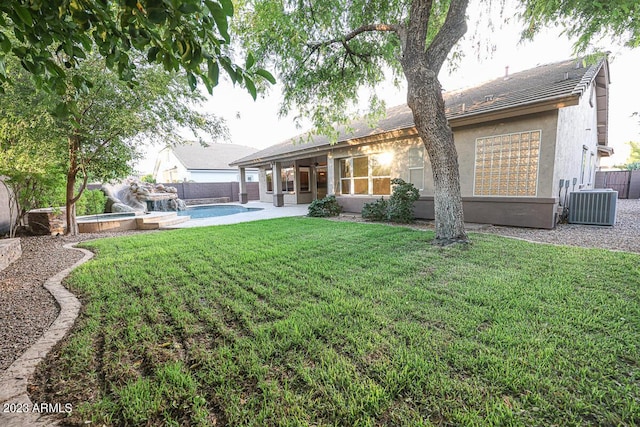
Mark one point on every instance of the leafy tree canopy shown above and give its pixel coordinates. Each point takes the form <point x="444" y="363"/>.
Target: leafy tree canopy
<point x="52" y="36"/>
<point x="586" y="20"/>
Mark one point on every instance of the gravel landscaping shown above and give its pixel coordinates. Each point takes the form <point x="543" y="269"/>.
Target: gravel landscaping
<point x="27" y="309"/>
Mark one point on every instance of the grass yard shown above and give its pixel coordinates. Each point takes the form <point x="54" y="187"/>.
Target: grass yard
<point x="302" y="321"/>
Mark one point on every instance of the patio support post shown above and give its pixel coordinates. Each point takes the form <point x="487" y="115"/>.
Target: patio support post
<point x="278" y="197"/>
<point x="244" y="197"/>
<point x="331" y="175"/>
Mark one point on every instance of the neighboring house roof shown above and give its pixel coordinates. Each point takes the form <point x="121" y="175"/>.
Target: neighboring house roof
<point x="195" y="156"/>
<point x="545" y="87"/>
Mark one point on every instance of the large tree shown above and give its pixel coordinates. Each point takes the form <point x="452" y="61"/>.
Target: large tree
<point x="31" y="161"/>
<point x="93" y="132"/>
<point x="106" y="123"/>
<point x="326" y="51"/>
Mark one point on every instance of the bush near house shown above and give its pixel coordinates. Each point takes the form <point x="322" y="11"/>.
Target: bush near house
<point x="325" y="207"/>
<point x="399" y="207"/>
<point x="375" y="211"/>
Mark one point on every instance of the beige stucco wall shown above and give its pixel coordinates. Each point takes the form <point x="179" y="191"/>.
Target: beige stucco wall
<point x="465" y="139"/>
<point x="577" y="126"/>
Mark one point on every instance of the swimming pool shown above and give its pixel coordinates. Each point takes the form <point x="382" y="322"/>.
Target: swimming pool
<point x="209" y="211"/>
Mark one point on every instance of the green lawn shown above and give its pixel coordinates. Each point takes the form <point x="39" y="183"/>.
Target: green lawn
<point x="302" y="321"/>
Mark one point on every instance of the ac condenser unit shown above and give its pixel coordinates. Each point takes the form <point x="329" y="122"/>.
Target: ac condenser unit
<point x="594" y="207"/>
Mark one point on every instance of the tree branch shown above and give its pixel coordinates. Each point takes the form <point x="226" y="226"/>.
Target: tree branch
<point x="454" y="27"/>
<point x="353" y="34"/>
<point x="416" y="31"/>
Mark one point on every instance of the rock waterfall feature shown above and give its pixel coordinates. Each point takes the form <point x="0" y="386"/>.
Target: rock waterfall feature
<point x="136" y="196"/>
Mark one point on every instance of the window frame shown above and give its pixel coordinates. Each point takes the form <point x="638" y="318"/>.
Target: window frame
<point x="304" y="170"/>
<point x="284" y="172"/>
<point x="351" y="180"/>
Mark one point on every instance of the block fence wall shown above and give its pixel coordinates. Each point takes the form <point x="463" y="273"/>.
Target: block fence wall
<point x="208" y="190"/>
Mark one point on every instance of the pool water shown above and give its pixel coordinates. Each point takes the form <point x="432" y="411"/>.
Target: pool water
<point x="209" y="211"/>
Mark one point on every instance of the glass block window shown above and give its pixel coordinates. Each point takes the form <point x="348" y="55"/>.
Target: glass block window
<point x="507" y="165"/>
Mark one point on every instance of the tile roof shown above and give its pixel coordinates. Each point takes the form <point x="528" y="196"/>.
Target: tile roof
<point x="214" y="157"/>
<point x="537" y="85"/>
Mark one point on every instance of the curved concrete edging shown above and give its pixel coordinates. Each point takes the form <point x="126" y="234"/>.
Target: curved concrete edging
<point x="13" y="381"/>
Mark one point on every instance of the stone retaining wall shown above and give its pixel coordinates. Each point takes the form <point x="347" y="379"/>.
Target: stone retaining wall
<point x="10" y="250"/>
<point x="47" y="221"/>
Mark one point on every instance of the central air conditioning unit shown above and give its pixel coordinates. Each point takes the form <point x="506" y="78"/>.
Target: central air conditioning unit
<point x="593" y="207"/>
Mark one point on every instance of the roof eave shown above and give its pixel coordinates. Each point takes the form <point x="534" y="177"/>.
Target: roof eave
<point x="472" y="118"/>
<point x="392" y="134"/>
<point x="509" y="111"/>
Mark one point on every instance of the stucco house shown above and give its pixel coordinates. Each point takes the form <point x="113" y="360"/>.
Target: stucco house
<point x="197" y="163"/>
<point x="516" y="138"/>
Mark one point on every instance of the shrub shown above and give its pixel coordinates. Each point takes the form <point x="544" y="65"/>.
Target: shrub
<point x="148" y="178"/>
<point x="325" y="207"/>
<point x="400" y="206"/>
<point x="91" y="202"/>
<point x="375" y="211"/>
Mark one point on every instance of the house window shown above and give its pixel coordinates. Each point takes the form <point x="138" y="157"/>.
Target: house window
<point x="507" y="165"/>
<point x="416" y="167"/>
<point x="269" y="173"/>
<point x="305" y="187"/>
<point x="360" y="175"/>
<point x="592" y="165"/>
<point x="366" y="175"/>
<point x="288" y="176"/>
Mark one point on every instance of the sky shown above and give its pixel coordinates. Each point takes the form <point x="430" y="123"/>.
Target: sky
<point x="256" y="123"/>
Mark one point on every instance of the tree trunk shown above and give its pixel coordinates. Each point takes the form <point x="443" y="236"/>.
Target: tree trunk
<point x="421" y="63"/>
<point x="424" y="97"/>
<point x="72" y="226"/>
<point x="72" y="173"/>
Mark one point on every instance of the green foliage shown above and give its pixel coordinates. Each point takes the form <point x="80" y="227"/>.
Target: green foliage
<point x="98" y="133"/>
<point x="588" y="20"/>
<point x="633" y="161"/>
<point x="634" y="166"/>
<point x="399" y="207"/>
<point x="148" y="178"/>
<point x="31" y="147"/>
<point x="343" y="324"/>
<point x="325" y="207"/>
<point x="92" y="202"/>
<point x="375" y="211"/>
<point x="189" y="35"/>
<point x="634" y="155"/>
